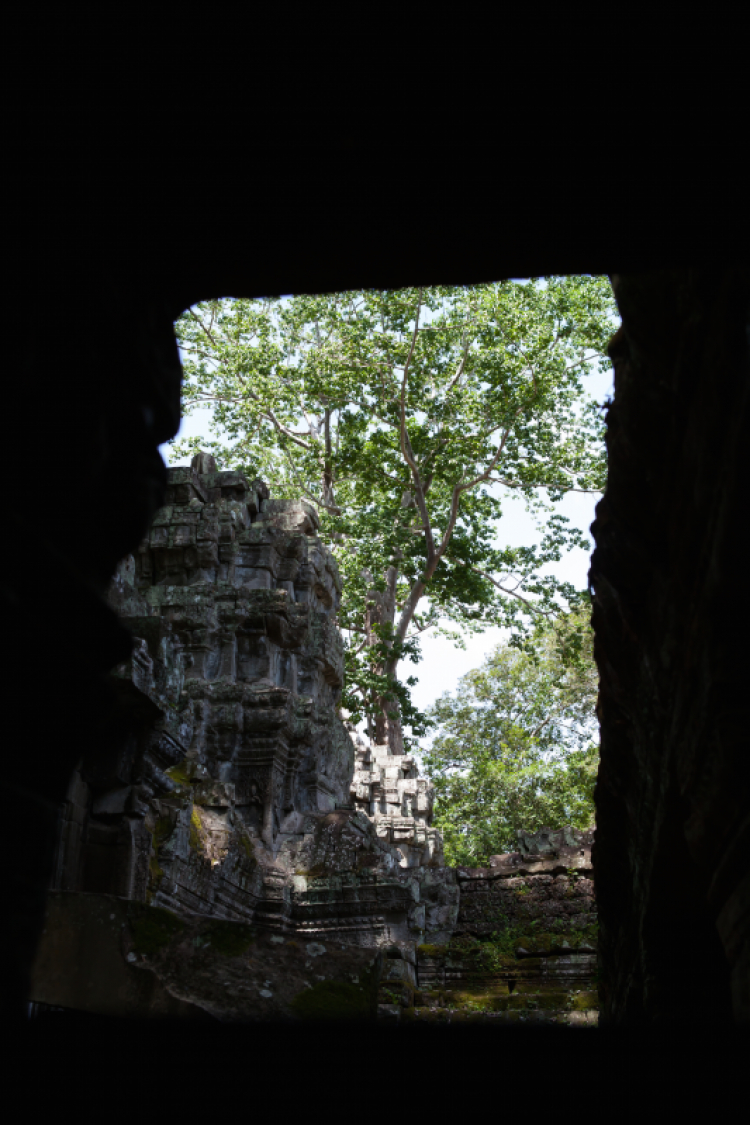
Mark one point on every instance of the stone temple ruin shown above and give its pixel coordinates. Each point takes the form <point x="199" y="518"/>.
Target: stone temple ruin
<point x="233" y="794"/>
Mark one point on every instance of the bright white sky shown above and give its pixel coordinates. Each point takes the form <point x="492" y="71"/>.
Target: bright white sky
<point x="442" y="664"/>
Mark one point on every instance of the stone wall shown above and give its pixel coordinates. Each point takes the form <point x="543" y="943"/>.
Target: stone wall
<point x="524" y="945"/>
<point x="389" y="790"/>
<point x="670" y="627"/>
<point x="523" y="950"/>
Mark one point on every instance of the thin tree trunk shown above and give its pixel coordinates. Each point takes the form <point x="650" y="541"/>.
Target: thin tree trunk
<point x="328" y="493"/>
<point x="382" y="611"/>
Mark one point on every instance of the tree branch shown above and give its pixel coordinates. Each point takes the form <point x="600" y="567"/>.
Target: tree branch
<point x="406" y="449"/>
<point x="511" y="593"/>
<point x="407" y="454"/>
<point x="459" y="372"/>
<point x="321" y="503"/>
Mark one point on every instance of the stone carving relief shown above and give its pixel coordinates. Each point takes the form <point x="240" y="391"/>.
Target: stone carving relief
<point x="388" y="789"/>
<point x="235" y="788"/>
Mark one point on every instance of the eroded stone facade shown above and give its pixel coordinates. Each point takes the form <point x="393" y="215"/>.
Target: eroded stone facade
<point x="242" y="793"/>
<point x="522" y="950"/>
<point x="524" y="945"/>
<point x="233" y="790"/>
<point x="389" y="790"/>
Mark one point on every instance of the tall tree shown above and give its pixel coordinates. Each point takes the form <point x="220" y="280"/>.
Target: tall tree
<point x="406" y="417"/>
<point x="517" y="744"/>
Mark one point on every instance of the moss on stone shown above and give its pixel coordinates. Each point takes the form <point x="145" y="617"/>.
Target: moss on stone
<point x="489" y="967"/>
<point x="528" y="937"/>
<point x="549" y="1001"/>
<point x="399" y="992"/>
<point x="155" y="872"/>
<point x="584" y="1001"/>
<point x="489" y="999"/>
<point x="427" y="950"/>
<point x="433" y="1015"/>
<point x="334" y="1000"/>
<point x="179" y="774"/>
<point x="162" y="830"/>
<point x="231" y="939"/>
<point x="196" y="830"/>
<point x="153" y="928"/>
<point x="389" y="994"/>
<point x="481" y="957"/>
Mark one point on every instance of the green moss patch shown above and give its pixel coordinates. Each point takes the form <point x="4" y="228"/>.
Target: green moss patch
<point x="505" y="943"/>
<point x="231" y="939"/>
<point x="431" y="950"/>
<point x="495" y="979"/>
<point x="389" y="994"/>
<point x="316" y="872"/>
<point x="155" y="872"/>
<point x="179" y="774"/>
<point x="153" y="928"/>
<point x="491" y="999"/>
<point x="162" y="831"/>
<point x="584" y="1001"/>
<point x="196" y="831"/>
<point x="334" y="1000"/>
<point x="433" y="1015"/>
<point x="247" y="846"/>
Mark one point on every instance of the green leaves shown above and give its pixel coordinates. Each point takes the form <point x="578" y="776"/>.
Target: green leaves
<point x="406" y="435"/>
<point x="517" y="745"/>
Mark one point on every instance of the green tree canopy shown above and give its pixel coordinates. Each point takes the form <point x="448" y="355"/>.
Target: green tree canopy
<point x="517" y="745"/>
<point x="407" y="417"/>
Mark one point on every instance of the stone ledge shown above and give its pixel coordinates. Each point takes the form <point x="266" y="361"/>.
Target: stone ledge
<point x="110" y="956"/>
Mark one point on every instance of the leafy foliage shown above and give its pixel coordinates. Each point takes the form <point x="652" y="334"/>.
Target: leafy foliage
<point x="406" y="417"/>
<point x="517" y="745"/>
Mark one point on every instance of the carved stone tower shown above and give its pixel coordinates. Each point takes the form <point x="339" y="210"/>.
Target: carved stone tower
<point x="231" y="789"/>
